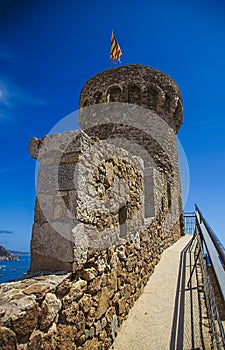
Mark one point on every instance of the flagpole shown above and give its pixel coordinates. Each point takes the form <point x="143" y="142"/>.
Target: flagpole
<point x="110" y="62"/>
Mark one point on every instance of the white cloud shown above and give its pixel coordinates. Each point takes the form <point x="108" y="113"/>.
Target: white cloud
<point x="13" y="96"/>
<point x="4" y="94"/>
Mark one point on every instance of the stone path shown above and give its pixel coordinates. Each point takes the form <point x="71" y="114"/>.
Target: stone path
<point x="149" y="324"/>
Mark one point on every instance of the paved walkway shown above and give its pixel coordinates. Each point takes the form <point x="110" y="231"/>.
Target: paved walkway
<point x="149" y="324"/>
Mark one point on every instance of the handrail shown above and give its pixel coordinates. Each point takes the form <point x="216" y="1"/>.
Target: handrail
<point x="219" y="246"/>
<point x="214" y="248"/>
<point x="205" y="240"/>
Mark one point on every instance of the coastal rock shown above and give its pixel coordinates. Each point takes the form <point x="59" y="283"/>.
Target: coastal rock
<point x="6" y="255"/>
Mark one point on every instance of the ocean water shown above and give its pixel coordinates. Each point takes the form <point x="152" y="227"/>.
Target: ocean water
<point x="13" y="269"/>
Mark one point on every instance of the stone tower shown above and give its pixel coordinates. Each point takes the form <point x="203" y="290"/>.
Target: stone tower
<point x="136" y="84"/>
<point x="147" y="117"/>
<point x="114" y="182"/>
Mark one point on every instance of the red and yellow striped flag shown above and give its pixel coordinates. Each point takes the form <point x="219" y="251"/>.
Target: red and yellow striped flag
<point x="115" y="51"/>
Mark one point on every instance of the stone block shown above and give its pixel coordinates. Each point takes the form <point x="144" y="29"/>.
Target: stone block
<point x="36" y="340"/>
<point x="7" y="339"/>
<point x="85" y="303"/>
<point x="49" y="310"/>
<point x="66" y="337"/>
<point x="103" y="303"/>
<point x="25" y="322"/>
<point x="89" y="274"/>
<point x="92" y="344"/>
<point x="53" y="241"/>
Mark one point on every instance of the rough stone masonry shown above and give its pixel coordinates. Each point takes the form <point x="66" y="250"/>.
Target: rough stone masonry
<point x="108" y="204"/>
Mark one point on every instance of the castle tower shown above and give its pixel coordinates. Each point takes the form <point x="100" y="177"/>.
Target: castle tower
<point x="149" y="130"/>
<point x="136" y="84"/>
<point x="117" y="179"/>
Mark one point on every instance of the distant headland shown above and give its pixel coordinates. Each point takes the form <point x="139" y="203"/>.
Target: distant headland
<point x="6" y="255"/>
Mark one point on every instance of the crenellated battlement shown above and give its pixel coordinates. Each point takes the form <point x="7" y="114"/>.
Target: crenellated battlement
<point x="136" y="84"/>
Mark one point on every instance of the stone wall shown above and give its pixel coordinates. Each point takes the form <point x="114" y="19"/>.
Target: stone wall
<point x="85" y="188"/>
<point x="109" y="264"/>
<point x="82" y="310"/>
<point x="144" y="134"/>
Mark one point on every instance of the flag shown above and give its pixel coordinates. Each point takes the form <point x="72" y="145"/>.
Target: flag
<point x="115" y="51"/>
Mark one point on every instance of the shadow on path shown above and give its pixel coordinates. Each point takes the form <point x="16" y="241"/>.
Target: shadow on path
<point x="190" y="328"/>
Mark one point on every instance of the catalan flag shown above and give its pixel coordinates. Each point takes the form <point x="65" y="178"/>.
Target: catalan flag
<point x="115" y="51"/>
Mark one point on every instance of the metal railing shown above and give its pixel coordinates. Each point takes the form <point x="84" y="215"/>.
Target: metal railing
<point x="189" y="223"/>
<point x="209" y="251"/>
<point x="213" y="237"/>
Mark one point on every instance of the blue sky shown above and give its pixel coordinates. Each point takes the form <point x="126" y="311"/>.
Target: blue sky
<point x="48" y="49"/>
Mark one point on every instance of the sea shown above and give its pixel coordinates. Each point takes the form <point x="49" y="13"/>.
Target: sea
<point x="11" y="270"/>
